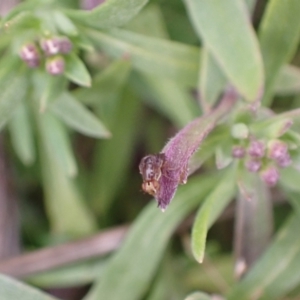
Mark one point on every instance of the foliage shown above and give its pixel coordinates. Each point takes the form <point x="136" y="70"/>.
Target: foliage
<point x="86" y="94"/>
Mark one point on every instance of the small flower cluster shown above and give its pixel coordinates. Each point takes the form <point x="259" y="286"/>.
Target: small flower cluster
<point x="264" y="157"/>
<point x="50" y="50"/>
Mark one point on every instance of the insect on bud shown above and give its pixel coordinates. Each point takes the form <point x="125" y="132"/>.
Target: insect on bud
<point x="270" y="176"/>
<point x="238" y="151"/>
<point x="55" y="66"/>
<point x="256" y="149"/>
<point x="30" y="54"/>
<point x="50" y="46"/>
<point x="253" y="165"/>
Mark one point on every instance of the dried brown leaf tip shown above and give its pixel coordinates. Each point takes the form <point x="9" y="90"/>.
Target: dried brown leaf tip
<point x="163" y="172"/>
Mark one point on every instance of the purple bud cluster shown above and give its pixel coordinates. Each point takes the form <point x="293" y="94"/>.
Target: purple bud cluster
<point x="265" y="158"/>
<point x="50" y="50"/>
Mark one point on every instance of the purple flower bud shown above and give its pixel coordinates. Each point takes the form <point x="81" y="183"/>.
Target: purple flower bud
<point x="33" y="63"/>
<point x="90" y="4"/>
<point x="270" y="176"/>
<point x="65" y="45"/>
<point x="238" y="151"/>
<point x="55" y="66"/>
<point x="30" y="54"/>
<point x="256" y="149"/>
<point x="253" y="165"/>
<point x="284" y="161"/>
<point x="50" y="46"/>
<point x="277" y="150"/>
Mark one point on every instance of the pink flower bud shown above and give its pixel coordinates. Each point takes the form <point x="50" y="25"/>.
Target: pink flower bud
<point x="50" y="46"/>
<point x="55" y="66"/>
<point x="284" y="161"/>
<point x="277" y="149"/>
<point x="270" y="176"/>
<point x="256" y="149"/>
<point x="30" y="54"/>
<point x="238" y="151"/>
<point x="253" y="165"/>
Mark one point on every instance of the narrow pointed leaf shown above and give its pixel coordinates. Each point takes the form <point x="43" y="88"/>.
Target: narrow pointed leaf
<point x="139" y="256"/>
<point x="54" y="86"/>
<point x="59" y="144"/>
<point x="111" y="13"/>
<point x="21" y="133"/>
<point x="211" y="80"/>
<point x="172" y="99"/>
<point x="107" y="85"/>
<point x="253" y="221"/>
<point x="11" y="289"/>
<point x="225" y="28"/>
<point x="75" y="115"/>
<point x="13" y="90"/>
<point x="111" y="162"/>
<point x="213" y="205"/>
<point x="279" y="35"/>
<point x="150" y="22"/>
<point x="288" y="81"/>
<point x="64" y="205"/>
<point x="251" y="5"/>
<point x="277" y="272"/>
<point x="150" y="55"/>
<point x="65" y="25"/>
<point x="76" y="71"/>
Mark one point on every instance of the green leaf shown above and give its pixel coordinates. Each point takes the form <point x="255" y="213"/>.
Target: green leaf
<point x="112" y="13"/>
<point x="70" y="275"/>
<point x="227" y="33"/>
<point x="170" y="98"/>
<point x="63" y="202"/>
<point x="150" y="22"/>
<point x="75" y="115"/>
<point x="58" y="143"/>
<point x="107" y="85"/>
<point x="13" y="89"/>
<point x="111" y="162"/>
<point x="289" y="178"/>
<point x="54" y="86"/>
<point x="24" y="20"/>
<point x="139" y="255"/>
<point x="150" y="55"/>
<point x="198" y="296"/>
<point x="279" y="35"/>
<point x="277" y="272"/>
<point x="212" y="207"/>
<point x="253" y="221"/>
<point x="288" y="81"/>
<point x="76" y="71"/>
<point x="211" y="81"/>
<point x="11" y="289"/>
<point x="64" y="24"/>
<point x="251" y="5"/>
<point x="20" y="8"/>
<point x="21" y="134"/>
